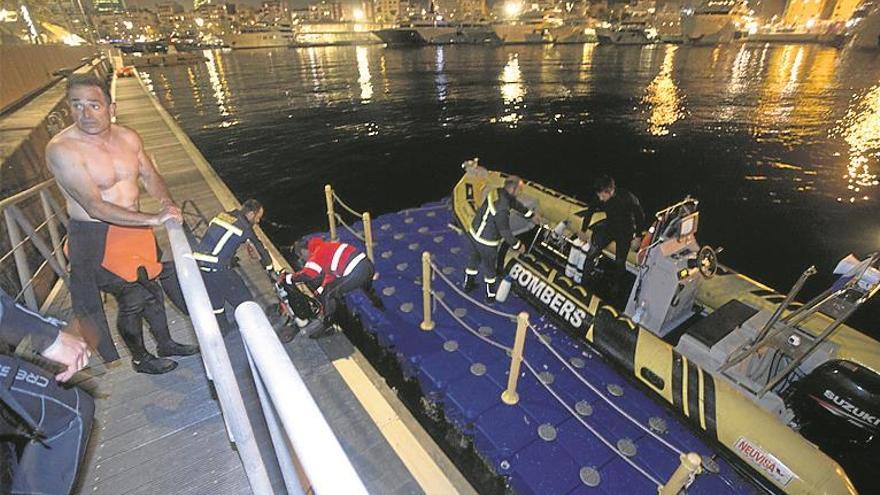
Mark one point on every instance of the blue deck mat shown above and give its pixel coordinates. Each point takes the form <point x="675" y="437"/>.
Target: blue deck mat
<point x="468" y="376"/>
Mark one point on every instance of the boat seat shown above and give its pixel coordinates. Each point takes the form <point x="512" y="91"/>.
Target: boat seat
<point x="710" y="330"/>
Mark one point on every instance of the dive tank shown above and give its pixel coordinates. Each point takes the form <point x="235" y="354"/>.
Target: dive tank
<point x="503" y="289"/>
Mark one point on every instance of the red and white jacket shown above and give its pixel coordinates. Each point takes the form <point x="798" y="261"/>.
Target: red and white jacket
<point x="329" y="261"/>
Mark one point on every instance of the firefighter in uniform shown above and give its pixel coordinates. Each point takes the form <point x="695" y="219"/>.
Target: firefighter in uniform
<point x="333" y="269"/>
<point x="491" y="226"/>
<point x="216" y="252"/>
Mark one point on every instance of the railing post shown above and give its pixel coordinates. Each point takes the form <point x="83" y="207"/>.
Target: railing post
<point x="21" y="262"/>
<point x="54" y="235"/>
<point x="683" y="475"/>
<point x="509" y="396"/>
<point x="331" y="216"/>
<point x="427" y="322"/>
<point x="368" y="234"/>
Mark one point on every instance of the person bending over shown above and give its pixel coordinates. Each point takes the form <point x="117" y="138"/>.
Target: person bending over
<point x="216" y="255"/>
<point x="624" y="219"/>
<point x="491" y="226"/>
<point x="47" y="422"/>
<point x="333" y="269"/>
<point x="100" y="167"/>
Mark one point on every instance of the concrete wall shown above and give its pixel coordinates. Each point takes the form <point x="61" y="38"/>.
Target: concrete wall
<point x="29" y="68"/>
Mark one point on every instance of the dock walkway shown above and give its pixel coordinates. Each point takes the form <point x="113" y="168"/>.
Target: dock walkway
<point x="165" y="434"/>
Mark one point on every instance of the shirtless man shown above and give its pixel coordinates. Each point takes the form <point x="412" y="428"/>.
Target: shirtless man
<point x="100" y="166"/>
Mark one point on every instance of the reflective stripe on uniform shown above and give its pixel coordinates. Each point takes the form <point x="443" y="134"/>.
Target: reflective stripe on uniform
<point x="205" y="257"/>
<point x="336" y="256"/>
<point x="219" y="311"/>
<point x="351" y="264"/>
<point x="482" y="241"/>
<point x="320" y="290"/>
<point x="311" y="265"/>
<point x="228" y="226"/>
<point x="222" y="242"/>
<point x="529" y="214"/>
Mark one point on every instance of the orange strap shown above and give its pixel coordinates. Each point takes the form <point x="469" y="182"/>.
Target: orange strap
<point x="127" y="249"/>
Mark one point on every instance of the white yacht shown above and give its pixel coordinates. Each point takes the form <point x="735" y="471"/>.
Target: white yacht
<point x="263" y="36"/>
<point x="626" y="33"/>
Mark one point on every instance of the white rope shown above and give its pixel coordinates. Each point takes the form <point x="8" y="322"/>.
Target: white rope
<point x="345" y="206"/>
<point x="583" y="380"/>
<point x="348" y="227"/>
<point x="549" y="389"/>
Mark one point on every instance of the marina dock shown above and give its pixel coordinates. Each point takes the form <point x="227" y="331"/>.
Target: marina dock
<point x="166" y="434"/>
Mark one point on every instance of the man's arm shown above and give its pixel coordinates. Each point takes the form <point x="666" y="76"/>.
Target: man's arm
<point x="17" y="322"/>
<point x="502" y="223"/>
<point x="265" y="257"/>
<point x="638" y="213"/>
<point x="73" y="177"/>
<point x="153" y="181"/>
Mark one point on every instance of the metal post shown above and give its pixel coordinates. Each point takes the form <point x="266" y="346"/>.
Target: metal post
<point x="37" y="241"/>
<point x="326" y="465"/>
<point x="331" y="216"/>
<point x="427" y="322"/>
<point x="509" y="396"/>
<point x="368" y="234"/>
<point x="21" y="262"/>
<point x="683" y="475"/>
<point x="217" y="359"/>
<point x="54" y="235"/>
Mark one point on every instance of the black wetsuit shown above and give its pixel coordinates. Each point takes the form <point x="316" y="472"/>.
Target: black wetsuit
<point x="48" y="422"/>
<point x="137" y="300"/>
<point x="625" y="218"/>
<point x="216" y="254"/>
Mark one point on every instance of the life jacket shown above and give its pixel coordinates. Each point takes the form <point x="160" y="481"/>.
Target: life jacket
<point x="328" y="261"/>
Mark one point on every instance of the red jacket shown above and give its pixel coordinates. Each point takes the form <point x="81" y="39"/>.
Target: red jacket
<point x="328" y="261"/>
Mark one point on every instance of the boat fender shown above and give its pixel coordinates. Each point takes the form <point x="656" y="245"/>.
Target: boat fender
<point x="503" y="289"/>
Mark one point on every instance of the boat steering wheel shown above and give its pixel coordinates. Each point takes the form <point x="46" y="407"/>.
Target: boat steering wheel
<point x="708" y="261"/>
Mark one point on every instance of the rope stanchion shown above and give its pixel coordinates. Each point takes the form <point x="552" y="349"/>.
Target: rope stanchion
<point x="427" y="322"/>
<point x="684" y="474"/>
<point x="509" y="396"/>
<point x="331" y="216"/>
<point x="368" y="234"/>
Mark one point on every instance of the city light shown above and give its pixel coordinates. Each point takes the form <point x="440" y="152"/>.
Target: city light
<point x="5" y="15"/>
<point x="199" y="21"/>
<point x="128" y="25"/>
<point x="512" y="9"/>
<point x="358" y="15"/>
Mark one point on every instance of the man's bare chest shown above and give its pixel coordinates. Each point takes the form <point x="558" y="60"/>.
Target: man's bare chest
<point x="109" y="166"/>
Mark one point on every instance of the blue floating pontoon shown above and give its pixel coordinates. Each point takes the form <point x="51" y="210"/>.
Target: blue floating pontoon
<point x="579" y="425"/>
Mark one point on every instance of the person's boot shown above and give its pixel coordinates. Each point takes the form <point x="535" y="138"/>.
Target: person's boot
<point x="287" y="332"/>
<point x="375" y="300"/>
<point x="153" y="365"/>
<point x="490" y="291"/>
<point x="470" y="281"/>
<point x="326" y="331"/>
<point x="172" y="348"/>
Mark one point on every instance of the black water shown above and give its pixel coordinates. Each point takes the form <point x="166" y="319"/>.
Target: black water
<point x="781" y="144"/>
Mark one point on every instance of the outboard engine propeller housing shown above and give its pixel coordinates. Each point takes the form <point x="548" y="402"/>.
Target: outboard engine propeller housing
<point x="837" y="407"/>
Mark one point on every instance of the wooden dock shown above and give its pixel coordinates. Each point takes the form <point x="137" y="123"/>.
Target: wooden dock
<point x="165" y="434"/>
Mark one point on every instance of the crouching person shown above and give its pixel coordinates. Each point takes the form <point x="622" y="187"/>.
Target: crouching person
<point x="49" y="424"/>
<point x="333" y="269"/>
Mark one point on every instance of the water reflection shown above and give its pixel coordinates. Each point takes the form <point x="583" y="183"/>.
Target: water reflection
<point x="194" y="88"/>
<point x="217" y="79"/>
<point x="440" y="82"/>
<point x="512" y="90"/>
<point x="363" y="64"/>
<point x="663" y="97"/>
<point x="860" y="128"/>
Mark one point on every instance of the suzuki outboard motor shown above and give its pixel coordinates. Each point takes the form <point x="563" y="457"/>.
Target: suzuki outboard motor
<point x="837" y="407"/>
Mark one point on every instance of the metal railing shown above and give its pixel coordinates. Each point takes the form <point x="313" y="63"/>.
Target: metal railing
<point x="296" y="425"/>
<point x="326" y="465"/>
<point x="22" y="232"/>
<point x="331" y="198"/>
<point x="216" y="359"/>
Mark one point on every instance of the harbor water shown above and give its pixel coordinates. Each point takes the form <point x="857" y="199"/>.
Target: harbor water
<point x="781" y="144"/>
